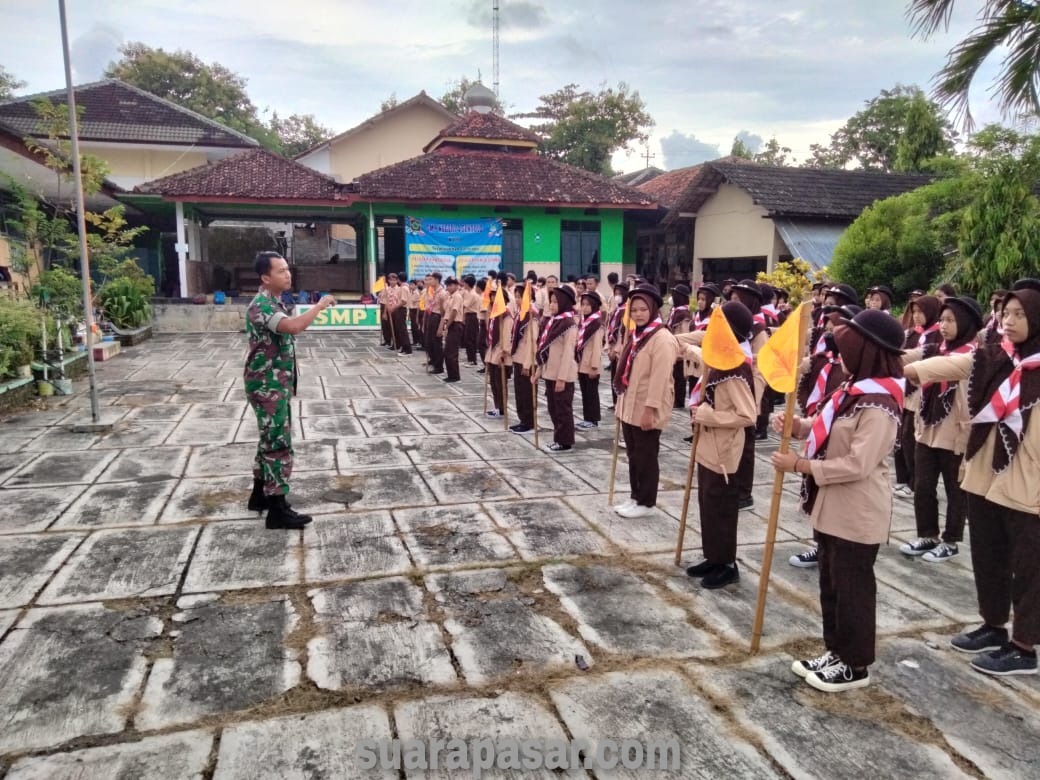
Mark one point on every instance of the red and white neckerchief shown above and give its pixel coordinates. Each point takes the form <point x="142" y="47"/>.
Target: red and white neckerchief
<point x="614" y="325"/>
<point x="923" y="333"/>
<point x="700" y="320"/>
<point x="944" y="350"/>
<point x="820" y="387"/>
<point x="821" y="344"/>
<point x="695" y="394"/>
<point x="544" y="338"/>
<point x="760" y="318"/>
<point x="771" y="314"/>
<point x="638" y="339"/>
<point x="580" y="344"/>
<point x="673" y="320"/>
<point x="1003" y="407"/>
<point x="821" y="427"/>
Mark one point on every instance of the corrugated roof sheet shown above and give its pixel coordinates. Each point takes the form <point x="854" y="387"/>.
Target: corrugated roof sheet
<point x="811" y="240"/>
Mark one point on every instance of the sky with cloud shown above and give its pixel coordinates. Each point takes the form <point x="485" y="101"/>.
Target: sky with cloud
<point x="707" y="70"/>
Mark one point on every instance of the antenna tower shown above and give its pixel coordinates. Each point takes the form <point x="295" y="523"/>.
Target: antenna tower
<point x="494" y="42"/>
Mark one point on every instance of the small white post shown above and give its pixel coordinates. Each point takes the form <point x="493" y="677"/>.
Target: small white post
<point x="182" y="250"/>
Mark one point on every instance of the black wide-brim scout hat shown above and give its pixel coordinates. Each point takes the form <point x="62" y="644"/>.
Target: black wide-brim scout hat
<point x="1026" y="284"/>
<point x="711" y="288"/>
<point x="740" y="319"/>
<point x="648" y="291"/>
<point x="883" y="289"/>
<point x="845" y="291"/>
<point x="748" y="286"/>
<point x="879" y="327"/>
<point x="681" y="289"/>
<point x="567" y="293"/>
<point x="968" y="305"/>
<point x="593" y="298"/>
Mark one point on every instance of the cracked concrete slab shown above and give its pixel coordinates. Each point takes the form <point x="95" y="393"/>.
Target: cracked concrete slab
<point x="302" y="747"/>
<point x="624" y="614"/>
<point x="182" y="756"/>
<point x="496" y="629"/>
<point x="339" y="547"/>
<point x="452" y="536"/>
<point x="135" y="434"/>
<point x="27" y="562"/>
<point x="453" y="424"/>
<point x="373" y="407"/>
<point x="947" y="589"/>
<point x="146" y="465"/>
<point x="158" y="412"/>
<point x="61" y="468"/>
<point x="387" y="488"/>
<point x="243" y="554"/>
<point x="390" y="425"/>
<point x="331" y="427"/>
<point x="375" y="633"/>
<point x="435" y="449"/>
<point x="219" y="498"/>
<point x="658" y="706"/>
<point x="44" y="703"/>
<point x="452" y="482"/>
<point x="123" y="563"/>
<point x="199" y="432"/>
<point x="356" y="454"/>
<point x="118" y="503"/>
<point x="653" y="533"/>
<point x="7" y="619"/>
<point x="547" y="528"/>
<point x="33" y="509"/>
<point x="226" y="657"/>
<point x="540" y="477"/>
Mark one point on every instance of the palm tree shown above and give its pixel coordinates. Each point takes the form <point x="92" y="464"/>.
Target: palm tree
<point x="1013" y="25"/>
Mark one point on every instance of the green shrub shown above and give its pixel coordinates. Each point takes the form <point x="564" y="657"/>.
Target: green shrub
<point x="20" y="326"/>
<point x="63" y="290"/>
<point x="124" y="302"/>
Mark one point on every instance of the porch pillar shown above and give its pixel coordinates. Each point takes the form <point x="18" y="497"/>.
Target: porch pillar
<point x="182" y="250"/>
<point x="373" y="250"/>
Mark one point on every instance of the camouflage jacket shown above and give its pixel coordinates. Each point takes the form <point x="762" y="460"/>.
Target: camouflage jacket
<point x="271" y="361"/>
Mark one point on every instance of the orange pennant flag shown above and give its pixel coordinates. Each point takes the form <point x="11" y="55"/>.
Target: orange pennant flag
<point x="485" y="300"/>
<point x="626" y="319"/>
<point x="499" y="307"/>
<point x="379" y="285"/>
<point x="779" y="357"/>
<point x="525" y="301"/>
<point x="720" y="349"/>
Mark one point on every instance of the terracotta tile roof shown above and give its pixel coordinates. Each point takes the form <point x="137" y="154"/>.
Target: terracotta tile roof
<point x="454" y="174"/>
<point x="799" y="192"/>
<point x="254" y="175"/>
<point x="668" y="187"/>
<point x="117" y="112"/>
<point x="484" y="127"/>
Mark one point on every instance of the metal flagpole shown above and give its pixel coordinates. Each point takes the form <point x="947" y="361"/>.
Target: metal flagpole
<point x="81" y="223"/>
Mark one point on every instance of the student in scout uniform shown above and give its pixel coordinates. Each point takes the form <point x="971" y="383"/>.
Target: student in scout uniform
<point x="452" y="328"/>
<point x="385" y="326"/>
<point x="942" y="433"/>
<point x="846" y="492"/>
<point x="643" y="384"/>
<point x="471" y="308"/>
<point x="679" y="321"/>
<point x="270" y="383"/>
<point x="482" y="321"/>
<point x="524" y="344"/>
<point x="436" y="301"/>
<point x="748" y="292"/>
<point x="1001" y="464"/>
<point x="558" y="368"/>
<point x="924" y="316"/>
<point x="588" y="351"/>
<point x="708" y="295"/>
<point x="616" y="335"/>
<point x="499" y="353"/>
<point x="879" y="297"/>
<point x="397" y="296"/>
<point x="415" y="313"/>
<point x="727" y="409"/>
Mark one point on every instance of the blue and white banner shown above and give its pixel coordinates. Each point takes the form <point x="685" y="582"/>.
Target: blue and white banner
<point x="454" y="247"/>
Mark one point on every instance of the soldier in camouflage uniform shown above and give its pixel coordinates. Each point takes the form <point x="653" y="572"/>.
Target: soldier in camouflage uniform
<point x="270" y="383"/>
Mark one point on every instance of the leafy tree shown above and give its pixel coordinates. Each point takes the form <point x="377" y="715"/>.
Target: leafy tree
<point x="212" y="90"/>
<point x="740" y="149"/>
<point x="584" y="129"/>
<point x="871" y="137"/>
<point x="298" y="133"/>
<point x="390" y="102"/>
<point x="903" y="241"/>
<point x="774" y="154"/>
<point x="8" y="83"/>
<point x="454" y="101"/>
<point x="1009" y="29"/>
<point x="792" y="276"/>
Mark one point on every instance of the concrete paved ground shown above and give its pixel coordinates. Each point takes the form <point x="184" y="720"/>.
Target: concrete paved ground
<point x="456" y="582"/>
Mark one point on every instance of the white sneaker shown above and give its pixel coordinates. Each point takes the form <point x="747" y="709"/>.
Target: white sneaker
<point x="636" y="510"/>
<point x="903" y="491"/>
<point x="586" y="424"/>
<point x="626" y="504"/>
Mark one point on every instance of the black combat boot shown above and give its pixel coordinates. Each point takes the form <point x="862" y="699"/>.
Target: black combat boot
<point x="257" y="499"/>
<point x="279" y="515"/>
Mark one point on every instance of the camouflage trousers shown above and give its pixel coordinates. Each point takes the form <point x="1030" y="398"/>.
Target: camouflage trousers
<point x="274" y="453"/>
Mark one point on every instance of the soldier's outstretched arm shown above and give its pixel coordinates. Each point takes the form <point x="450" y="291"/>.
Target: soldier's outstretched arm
<point x="300" y="323"/>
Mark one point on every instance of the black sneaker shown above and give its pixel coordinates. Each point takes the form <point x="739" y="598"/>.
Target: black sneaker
<point x="806" y="559"/>
<point x="919" y="546"/>
<point x="520" y="429"/>
<point x="813" y="665"/>
<point x="745" y="504"/>
<point x="702" y="569"/>
<point x="724" y="574"/>
<point x="688" y="439"/>
<point x="981" y="640"/>
<point x="1009" y="659"/>
<point x="839" y="677"/>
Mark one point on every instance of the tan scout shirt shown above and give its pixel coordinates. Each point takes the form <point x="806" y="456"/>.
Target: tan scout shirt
<point x="498" y="353"/>
<point x="561" y="365"/>
<point x="592" y="355"/>
<point x="650" y="383"/>
<point x="439" y="303"/>
<point x="1018" y="486"/>
<point x="855" y="498"/>
<point x="396" y="297"/>
<point x="471" y="302"/>
<point x="720" y="442"/>
<point x="525" y="350"/>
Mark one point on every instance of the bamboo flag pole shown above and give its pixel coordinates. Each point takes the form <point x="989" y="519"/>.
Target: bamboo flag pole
<point x="505" y="398"/>
<point x="778" y="486"/>
<point x="487" y="372"/>
<point x="532" y="336"/>
<point x="689" y="481"/>
<point x="617" y="415"/>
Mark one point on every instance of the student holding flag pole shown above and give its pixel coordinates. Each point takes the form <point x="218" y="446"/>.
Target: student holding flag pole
<point x="846" y="492"/>
<point x="555" y="358"/>
<point x="723" y="407"/>
<point x="500" y="329"/>
<point x="524" y="340"/>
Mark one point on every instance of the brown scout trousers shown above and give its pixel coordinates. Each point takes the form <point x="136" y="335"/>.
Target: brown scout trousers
<point x="523" y="395"/>
<point x="644" y="470"/>
<point x="848" y="598"/>
<point x="717" y="500"/>
<point x="561" y="411"/>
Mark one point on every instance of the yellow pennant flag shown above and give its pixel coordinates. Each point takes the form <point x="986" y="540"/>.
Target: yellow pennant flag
<point x="379" y="285"/>
<point x="485" y="300"/>
<point x="779" y="358"/>
<point x="422" y="302"/>
<point x="720" y="349"/>
<point x="499" y="308"/>
<point x="626" y="319"/>
<point x="525" y="301"/>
